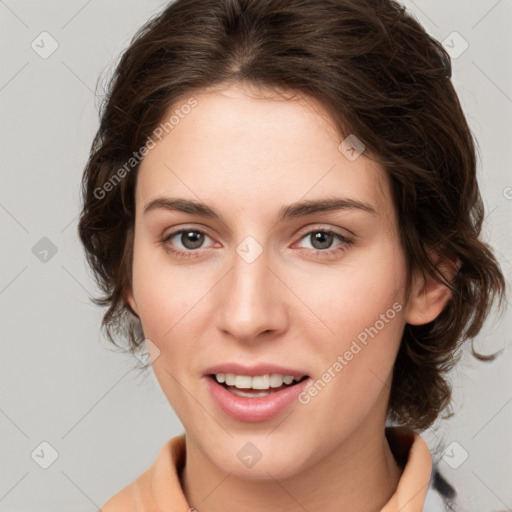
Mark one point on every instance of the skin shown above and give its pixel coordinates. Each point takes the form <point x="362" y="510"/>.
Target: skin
<point x="247" y="156"/>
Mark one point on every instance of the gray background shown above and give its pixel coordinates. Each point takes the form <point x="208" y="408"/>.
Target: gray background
<point x="61" y="383"/>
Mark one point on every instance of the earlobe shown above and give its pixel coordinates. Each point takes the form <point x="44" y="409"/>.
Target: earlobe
<point x="428" y="296"/>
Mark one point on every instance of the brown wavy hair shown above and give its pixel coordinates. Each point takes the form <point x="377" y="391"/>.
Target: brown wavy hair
<point x="383" y="78"/>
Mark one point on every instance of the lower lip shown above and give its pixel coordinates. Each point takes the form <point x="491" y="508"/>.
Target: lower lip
<point x="261" y="408"/>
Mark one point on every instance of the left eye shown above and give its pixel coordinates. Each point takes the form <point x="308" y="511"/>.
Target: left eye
<point x="323" y="239"/>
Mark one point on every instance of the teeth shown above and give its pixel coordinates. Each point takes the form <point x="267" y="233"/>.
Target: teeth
<point x="287" y="379"/>
<point x="274" y="380"/>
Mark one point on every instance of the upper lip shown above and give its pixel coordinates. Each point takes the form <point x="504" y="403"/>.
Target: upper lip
<point x="258" y="369"/>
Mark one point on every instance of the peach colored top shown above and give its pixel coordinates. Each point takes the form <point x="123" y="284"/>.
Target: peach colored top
<point x="159" y="489"/>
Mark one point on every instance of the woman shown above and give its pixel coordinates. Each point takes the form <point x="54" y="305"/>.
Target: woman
<point x="281" y="205"/>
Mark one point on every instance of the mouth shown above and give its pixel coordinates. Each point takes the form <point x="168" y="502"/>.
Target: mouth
<point x="256" y="386"/>
<point x="255" y="398"/>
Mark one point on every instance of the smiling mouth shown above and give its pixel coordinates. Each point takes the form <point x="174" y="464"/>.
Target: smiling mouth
<point x="255" y="393"/>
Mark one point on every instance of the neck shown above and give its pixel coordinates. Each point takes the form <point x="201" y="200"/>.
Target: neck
<point x="360" y="474"/>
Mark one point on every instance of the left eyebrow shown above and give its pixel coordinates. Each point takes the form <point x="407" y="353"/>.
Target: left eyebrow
<point x="294" y="210"/>
<point x="308" y="207"/>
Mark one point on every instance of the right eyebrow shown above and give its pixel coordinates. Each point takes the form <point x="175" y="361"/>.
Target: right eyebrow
<point x="181" y="205"/>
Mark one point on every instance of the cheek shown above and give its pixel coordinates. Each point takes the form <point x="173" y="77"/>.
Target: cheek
<point x="172" y="302"/>
<point x="165" y="298"/>
<point x="362" y="310"/>
<point x="353" y="371"/>
<point x="158" y="293"/>
<point x="355" y="295"/>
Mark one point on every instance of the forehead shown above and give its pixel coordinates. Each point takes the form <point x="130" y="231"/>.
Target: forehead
<point x="245" y="147"/>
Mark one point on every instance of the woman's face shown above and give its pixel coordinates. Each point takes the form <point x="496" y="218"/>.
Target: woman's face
<point x="263" y="281"/>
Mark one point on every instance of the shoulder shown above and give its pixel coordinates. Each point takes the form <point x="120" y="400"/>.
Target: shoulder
<point x="123" y="501"/>
<point x="135" y="497"/>
<point x="158" y="487"/>
<point x="441" y="496"/>
<point x="434" y="502"/>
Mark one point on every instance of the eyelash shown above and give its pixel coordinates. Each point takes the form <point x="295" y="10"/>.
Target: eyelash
<point x="325" y="253"/>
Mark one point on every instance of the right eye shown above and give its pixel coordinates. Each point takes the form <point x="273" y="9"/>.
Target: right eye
<point x="191" y="240"/>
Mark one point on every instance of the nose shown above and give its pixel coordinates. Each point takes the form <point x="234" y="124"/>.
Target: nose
<point x="252" y="300"/>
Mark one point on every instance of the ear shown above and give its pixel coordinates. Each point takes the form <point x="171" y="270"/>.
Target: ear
<point x="428" y="297"/>
<point x="130" y="300"/>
